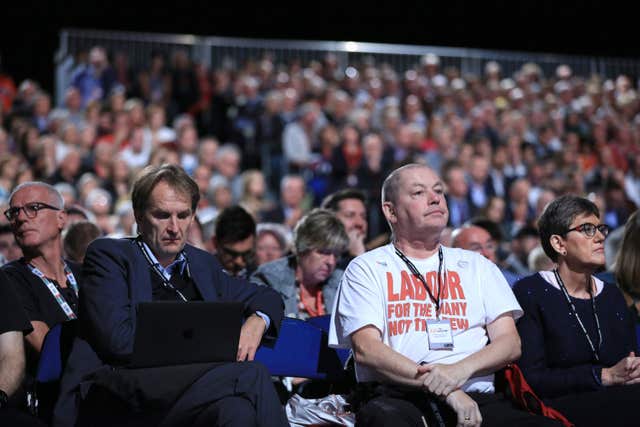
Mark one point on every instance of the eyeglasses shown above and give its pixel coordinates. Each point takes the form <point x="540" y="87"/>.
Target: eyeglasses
<point x="30" y="210"/>
<point x="589" y="229"/>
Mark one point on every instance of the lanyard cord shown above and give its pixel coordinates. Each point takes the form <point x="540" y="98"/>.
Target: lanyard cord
<point x="57" y="295"/>
<point x="319" y="309"/>
<point x="159" y="272"/>
<point x="575" y="313"/>
<point x="416" y="273"/>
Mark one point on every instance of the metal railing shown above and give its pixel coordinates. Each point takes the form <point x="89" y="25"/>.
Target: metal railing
<point x="219" y="51"/>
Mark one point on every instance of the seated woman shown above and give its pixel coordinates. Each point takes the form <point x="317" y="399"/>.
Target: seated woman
<point x="578" y="339"/>
<point x="308" y="281"/>
<point x="627" y="266"/>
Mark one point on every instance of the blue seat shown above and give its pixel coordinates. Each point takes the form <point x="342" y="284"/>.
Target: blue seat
<point x="301" y="350"/>
<point x="50" y="362"/>
<point x="296" y="352"/>
<point x="53" y="355"/>
<point x="323" y="322"/>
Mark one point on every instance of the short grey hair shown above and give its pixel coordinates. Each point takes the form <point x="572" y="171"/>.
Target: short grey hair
<point x="51" y="190"/>
<point x="320" y="229"/>
<point x="558" y="216"/>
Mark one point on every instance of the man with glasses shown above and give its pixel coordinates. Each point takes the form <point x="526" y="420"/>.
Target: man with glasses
<point x="46" y="283"/>
<point x="235" y="240"/>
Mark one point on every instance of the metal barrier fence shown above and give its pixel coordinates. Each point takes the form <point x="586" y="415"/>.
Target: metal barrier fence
<point x="218" y="51"/>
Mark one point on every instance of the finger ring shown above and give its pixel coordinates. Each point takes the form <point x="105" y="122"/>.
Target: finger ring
<point x="467" y="418"/>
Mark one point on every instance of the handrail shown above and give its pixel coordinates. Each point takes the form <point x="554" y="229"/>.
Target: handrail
<point x="206" y="48"/>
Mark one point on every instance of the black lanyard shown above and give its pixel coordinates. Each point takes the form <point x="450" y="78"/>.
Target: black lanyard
<point x="159" y="272"/>
<point x="415" y="272"/>
<point x="575" y="313"/>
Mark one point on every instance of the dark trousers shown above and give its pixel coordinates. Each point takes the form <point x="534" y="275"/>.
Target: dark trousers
<point x="611" y="406"/>
<point x="16" y="418"/>
<point x="397" y="407"/>
<point x="230" y="394"/>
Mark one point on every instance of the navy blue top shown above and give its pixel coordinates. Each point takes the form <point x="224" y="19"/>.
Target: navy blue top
<point x="556" y="356"/>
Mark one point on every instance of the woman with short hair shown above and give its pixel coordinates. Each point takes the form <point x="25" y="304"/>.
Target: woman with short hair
<point x="578" y="339"/>
<point x="308" y="280"/>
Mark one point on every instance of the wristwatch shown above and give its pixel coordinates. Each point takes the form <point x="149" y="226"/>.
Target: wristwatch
<point x="4" y="399"/>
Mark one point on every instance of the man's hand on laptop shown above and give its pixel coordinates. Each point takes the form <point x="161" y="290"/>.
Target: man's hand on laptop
<point x="250" y="336"/>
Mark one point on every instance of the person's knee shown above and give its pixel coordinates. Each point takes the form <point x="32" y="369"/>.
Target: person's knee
<point x="256" y="369"/>
<point x="230" y="411"/>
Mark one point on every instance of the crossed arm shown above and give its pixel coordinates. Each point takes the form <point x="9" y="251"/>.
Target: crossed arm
<point x="504" y="347"/>
<point x="441" y="380"/>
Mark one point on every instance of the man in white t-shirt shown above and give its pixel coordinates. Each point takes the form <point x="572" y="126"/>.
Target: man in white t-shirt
<point x="428" y="325"/>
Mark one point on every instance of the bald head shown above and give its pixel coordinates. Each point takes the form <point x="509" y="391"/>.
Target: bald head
<point x="392" y="182"/>
<point x="413" y="202"/>
<point x="475" y="239"/>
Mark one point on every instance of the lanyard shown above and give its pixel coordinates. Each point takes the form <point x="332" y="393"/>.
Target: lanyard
<point x="319" y="309"/>
<point x="415" y="272"/>
<point x="54" y="290"/>
<point x="575" y="313"/>
<point x="160" y="273"/>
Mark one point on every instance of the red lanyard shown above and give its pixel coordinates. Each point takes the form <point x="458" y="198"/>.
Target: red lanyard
<point x="319" y="309"/>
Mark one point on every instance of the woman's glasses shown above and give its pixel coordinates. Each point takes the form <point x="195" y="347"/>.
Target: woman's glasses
<point x="589" y="229"/>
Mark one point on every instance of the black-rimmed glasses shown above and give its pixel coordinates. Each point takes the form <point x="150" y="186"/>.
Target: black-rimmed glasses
<point x="30" y="210"/>
<point x="589" y="229"/>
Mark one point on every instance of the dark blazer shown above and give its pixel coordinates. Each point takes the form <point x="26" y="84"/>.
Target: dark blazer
<point x="117" y="278"/>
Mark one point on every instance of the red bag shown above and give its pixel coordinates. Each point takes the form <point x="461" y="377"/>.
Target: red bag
<point x="523" y="395"/>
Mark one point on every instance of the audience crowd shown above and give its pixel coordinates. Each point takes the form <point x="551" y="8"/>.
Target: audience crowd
<point x="278" y="138"/>
<point x="269" y="143"/>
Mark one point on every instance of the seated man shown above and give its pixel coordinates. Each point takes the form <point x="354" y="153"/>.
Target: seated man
<point x="349" y="206"/>
<point x="235" y="240"/>
<point x="477" y="239"/>
<point x="13" y="324"/>
<point x="158" y="265"/>
<point x="46" y="283"/>
<point x="428" y="325"/>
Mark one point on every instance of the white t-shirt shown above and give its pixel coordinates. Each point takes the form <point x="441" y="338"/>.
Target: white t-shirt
<point x="378" y="289"/>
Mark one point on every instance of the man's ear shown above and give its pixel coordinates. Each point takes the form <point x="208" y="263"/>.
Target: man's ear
<point x="138" y="219"/>
<point x="389" y="212"/>
<point x="62" y="219"/>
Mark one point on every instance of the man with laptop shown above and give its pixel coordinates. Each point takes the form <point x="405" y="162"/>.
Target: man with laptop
<point x="162" y="339"/>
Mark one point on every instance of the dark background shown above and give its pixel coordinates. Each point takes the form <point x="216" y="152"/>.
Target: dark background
<point x="30" y="29"/>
